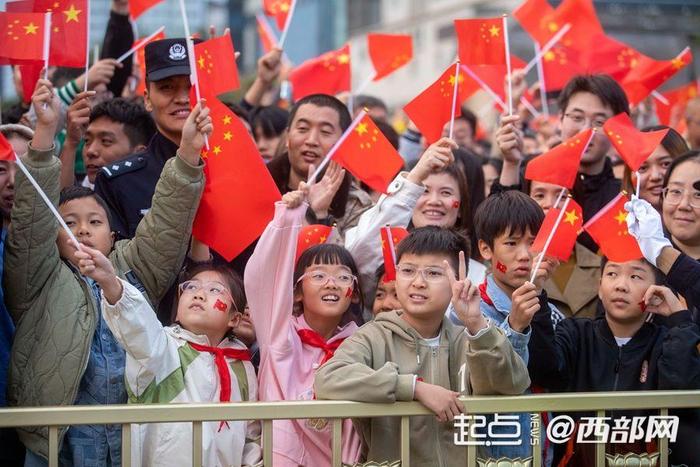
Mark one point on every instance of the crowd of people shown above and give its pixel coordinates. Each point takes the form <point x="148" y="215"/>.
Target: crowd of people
<point x="141" y="312"/>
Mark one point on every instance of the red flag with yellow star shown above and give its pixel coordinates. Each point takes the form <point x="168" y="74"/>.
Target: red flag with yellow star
<point x="279" y="9"/>
<point x="632" y="145"/>
<point x="608" y="228"/>
<point x="267" y="36"/>
<point x="567" y="230"/>
<point x="326" y="74"/>
<point x="677" y="101"/>
<point x="560" y="164"/>
<point x="368" y="155"/>
<point x="312" y="235"/>
<point x="216" y="66"/>
<point x="432" y="108"/>
<point x="649" y="74"/>
<point x="239" y="194"/>
<point x="481" y="41"/>
<point x="68" y="30"/>
<point x="542" y="22"/>
<point x="389" y="249"/>
<point x="139" y="7"/>
<point x="22" y="37"/>
<point x="389" y="52"/>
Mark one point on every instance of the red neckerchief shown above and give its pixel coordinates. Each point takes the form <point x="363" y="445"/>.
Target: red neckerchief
<point x="485" y="296"/>
<point x="312" y="338"/>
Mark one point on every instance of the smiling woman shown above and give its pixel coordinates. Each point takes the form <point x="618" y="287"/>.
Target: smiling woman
<point x="681" y="203"/>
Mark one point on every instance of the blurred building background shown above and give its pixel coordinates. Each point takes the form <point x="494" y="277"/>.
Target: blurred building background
<point x="659" y="28"/>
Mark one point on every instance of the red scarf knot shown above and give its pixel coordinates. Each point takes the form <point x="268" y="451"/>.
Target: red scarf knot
<point x="485" y="296"/>
<point x="312" y="338"/>
<point x="222" y="368"/>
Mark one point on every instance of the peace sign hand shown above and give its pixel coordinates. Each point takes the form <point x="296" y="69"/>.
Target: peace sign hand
<point x="465" y="298"/>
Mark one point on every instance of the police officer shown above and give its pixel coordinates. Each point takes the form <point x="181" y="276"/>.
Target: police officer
<point x="128" y="185"/>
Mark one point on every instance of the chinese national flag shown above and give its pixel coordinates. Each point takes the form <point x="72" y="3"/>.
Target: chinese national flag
<point x="432" y="108"/>
<point x="312" y="235"/>
<point x="216" y="66"/>
<point x="541" y="21"/>
<point x="327" y="74"/>
<point x="368" y="155"/>
<point x="649" y="74"/>
<point x="560" y="164"/>
<point x="239" y="194"/>
<point x="138" y="7"/>
<point x="677" y="100"/>
<point x="389" y="52"/>
<point x="634" y="146"/>
<point x="30" y="75"/>
<point x="609" y="230"/>
<point x="22" y="37"/>
<point x="530" y="14"/>
<point x="481" y="41"/>
<point x="560" y="64"/>
<point x="493" y="76"/>
<point x="267" y="37"/>
<point x="7" y="153"/>
<point x="567" y="231"/>
<point x="279" y="9"/>
<point x="389" y="249"/>
<point x="140" y="60"/>
<point x="68" y="30"/>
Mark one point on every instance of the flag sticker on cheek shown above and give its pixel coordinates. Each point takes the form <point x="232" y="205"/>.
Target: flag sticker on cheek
<point x="221" y="306"/>
<point x="501" y="267"/>
<point x="455" y="204"/>
<point x="349" y="292"/>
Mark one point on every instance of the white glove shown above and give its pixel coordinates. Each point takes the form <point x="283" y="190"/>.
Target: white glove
<point x="645" y="225"/>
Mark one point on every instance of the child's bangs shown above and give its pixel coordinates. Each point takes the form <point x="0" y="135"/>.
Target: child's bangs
<point x="324" y="254"/>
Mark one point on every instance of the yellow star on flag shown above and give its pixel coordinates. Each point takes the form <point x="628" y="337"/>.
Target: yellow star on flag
<point x="72" y="14"/>
<point x="571" y="217"/>
<point x="31" y="28"/>
<point x="200" y="61"/>
<point x="343" y="59"/>
<point x="495" y="30"/>
<point x="216" y="150"/>
<point x="677" y="63"/>
<point x="284" y="7"/>
<point x="361" y="128"/>
<point x="549" y="56"/>
<point x="552" y="26"/>
<point x="228" y="136"/>
<point x="621" y="217"/>
<point x="227" y="120"/>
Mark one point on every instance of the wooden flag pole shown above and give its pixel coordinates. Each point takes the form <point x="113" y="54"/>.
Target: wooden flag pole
<point x="87" y="43"/>
<point x="455" y="91"/>
<point x="540" y="257"/>
<point x="509" y="70"/>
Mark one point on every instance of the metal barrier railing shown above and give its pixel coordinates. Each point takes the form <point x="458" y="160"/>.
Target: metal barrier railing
<point x="266" y="412"/>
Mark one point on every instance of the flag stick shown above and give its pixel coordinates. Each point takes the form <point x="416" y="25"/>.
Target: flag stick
<point x="286" y="24"/>
<point x="47" y="42"/>
<point x="454" y="100"/>
<point x="639" y="182"/>
<point x="483" y="85"/>
<point x="87" y="44"/>
<point x="548" y="45"/>
<point x="540" y="257"/>
<point x="530" y="108"/>
<point x="509" y="70"/>
<point x="139" y="44"/>
<point x="48" y="202"/>
<point x="366" y="82"/>
<point x="660" y="97"/>
<point x="392" y="248"/>
<point x="335" y="147"/>
<point x="193" y="64"/>
<point x="540" y="76"/>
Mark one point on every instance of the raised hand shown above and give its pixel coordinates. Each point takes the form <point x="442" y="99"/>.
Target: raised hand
<point x="436" y="158"/>
<point x="293" y="199"/>
<point x="198" y="125"/>
<point x="321" y="193"/>
<point x="46" y="107"/>
<point x="545" y="271"/>
<point x="99" y="73"/>
<point x="269" y="66"/>
<point x="465" y="297"/>
<point x="97" y="267"/>
<point x="445" y="404"/>
<point x="525" y="303"/>
<point x="645" y="225"/>
<point x="660" y="300"/>
<point x="509" y="139"/>
<point x="78" y="117"/>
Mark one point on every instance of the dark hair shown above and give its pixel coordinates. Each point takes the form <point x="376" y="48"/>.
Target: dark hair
<point x="659" y="277"/>
<point x="434" y="240"/>
<point x="469" y="117"/>
<point x="74" y="192"/>
<point x="231" y="280"/>
<point x="494" y="162"/>
<point x="326" y="253"/>
<point x="469" y="163"/>
<point x="139" y="126"/>
<point x="323" y="100"/>
<point x="688" y="156"/>
<point x="363" y="100"/>
<point x="270" y="120"/>
<point x="673" y="142"/>
<point x="508" y="212"/>
<point x="388" y="132"/>
<point x="238" y="110"/>
<point x="602" y="86"/>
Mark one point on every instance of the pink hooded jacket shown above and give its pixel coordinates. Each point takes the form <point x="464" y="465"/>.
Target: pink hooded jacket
<point x="287" y="366"/>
